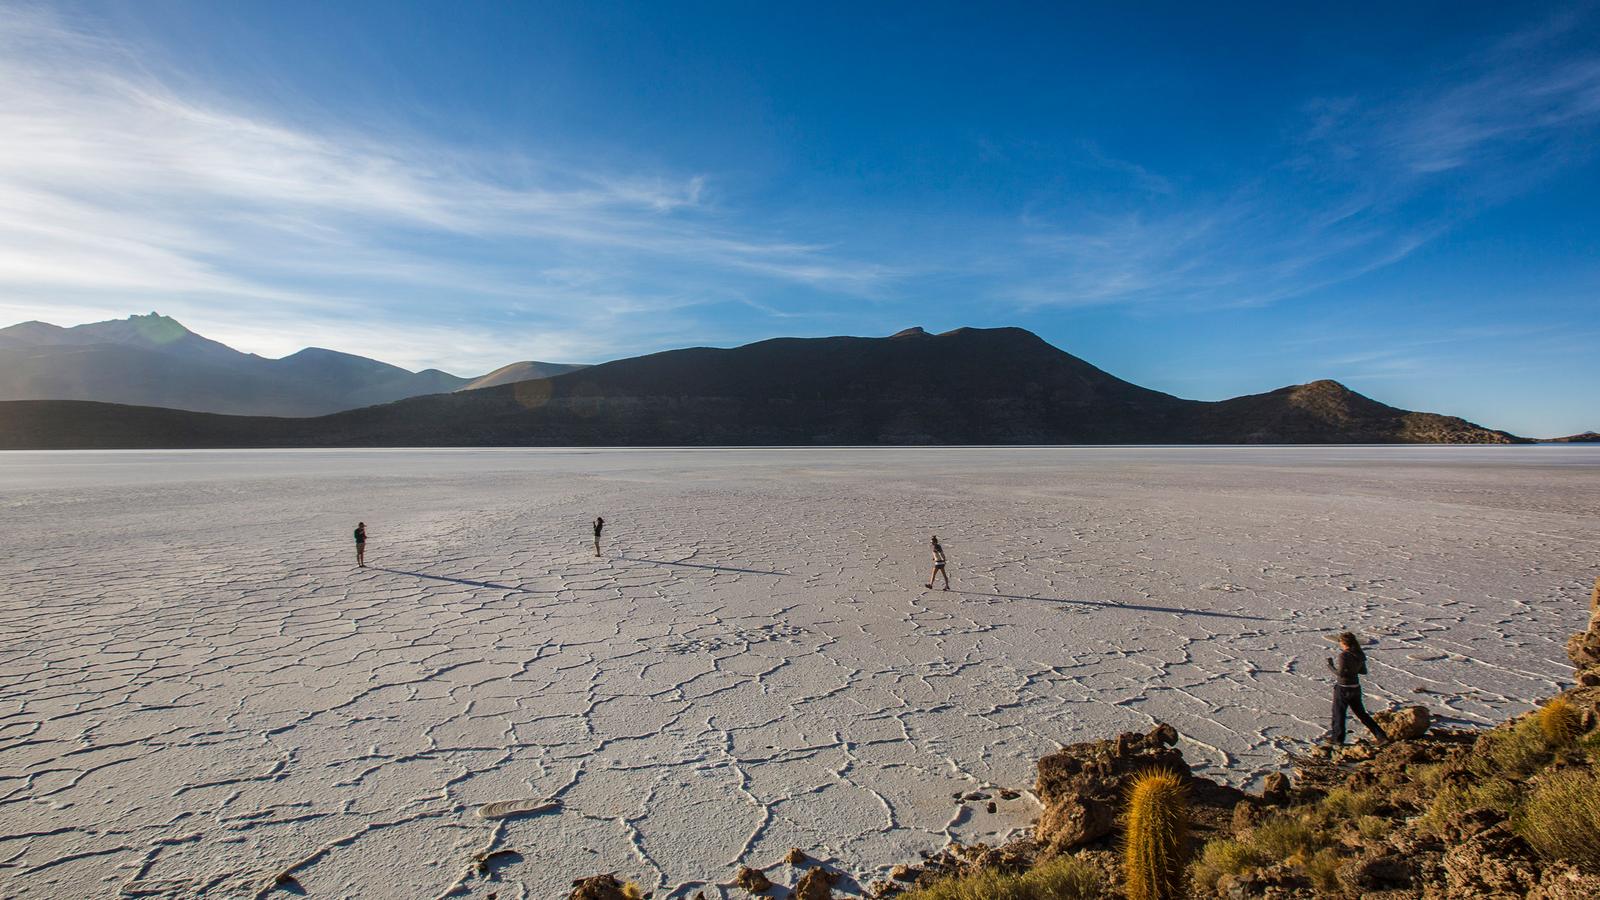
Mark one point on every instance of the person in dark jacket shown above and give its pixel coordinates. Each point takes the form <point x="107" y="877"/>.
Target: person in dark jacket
<point x="1348" y="667"/>
<point x="599" y="526"/>
<point x="361" y="544"/>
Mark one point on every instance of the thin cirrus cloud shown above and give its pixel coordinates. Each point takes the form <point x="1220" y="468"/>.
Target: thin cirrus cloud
<point x="1357" y="185"/>
<point x="111" y="182"/>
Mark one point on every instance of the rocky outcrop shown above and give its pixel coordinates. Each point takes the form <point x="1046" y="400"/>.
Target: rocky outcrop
<point x="1583" y="648"/>
<point x="600" y="887"/>
<point x="1406" y="723"/>
<point x="1082" y="785"/>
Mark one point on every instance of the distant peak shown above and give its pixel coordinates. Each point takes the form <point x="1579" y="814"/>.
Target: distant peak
<point x="913" y="331"/>
<point x="1326" y="385"/>
<point x="154" y="317"/>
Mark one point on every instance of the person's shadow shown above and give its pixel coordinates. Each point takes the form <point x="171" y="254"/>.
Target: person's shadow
<point x="466" y="581"/>
<point x="1139" y="607"/>
<point x="687" y="565"/>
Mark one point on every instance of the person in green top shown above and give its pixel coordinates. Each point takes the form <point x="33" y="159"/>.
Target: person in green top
<point x="361" y="544"/>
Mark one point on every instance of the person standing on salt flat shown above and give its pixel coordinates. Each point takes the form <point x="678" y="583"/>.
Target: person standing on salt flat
<point x="1347" y="668"/>
<point x="361" y="544"/>
<point x="938" y="565"/>
<point x="599" y="523"/>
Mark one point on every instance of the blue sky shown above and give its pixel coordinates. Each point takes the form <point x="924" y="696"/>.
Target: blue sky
<point x="1207" y="199"/>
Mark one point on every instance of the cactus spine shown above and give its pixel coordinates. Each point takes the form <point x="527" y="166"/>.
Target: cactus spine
<point x="1560" y="722"/>
<point x="1155" y="836"/>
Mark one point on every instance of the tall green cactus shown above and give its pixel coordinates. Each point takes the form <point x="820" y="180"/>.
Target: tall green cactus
<point x="1560" y="722"/>
<point x="1156" y="835"/>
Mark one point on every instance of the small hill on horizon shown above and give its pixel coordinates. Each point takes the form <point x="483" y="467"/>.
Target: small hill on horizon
<point x="967" y="386"/>
<point x="153" y="360"/>
<point x="520" y="371"/>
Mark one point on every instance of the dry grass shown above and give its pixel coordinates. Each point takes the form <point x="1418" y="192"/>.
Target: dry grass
<point x="1561" y="818"/>
<point x="1223" y="856"/>
<point x="1495" y="793"/>
<point x="1323" y="867"/>
<point x="1515" y="752"/>
<point x="1559" y="721"/>
<point x="1062" y="878"/>
<point x="1346" y="803"/>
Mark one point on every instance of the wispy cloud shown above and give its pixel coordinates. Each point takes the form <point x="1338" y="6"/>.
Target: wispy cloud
<point x="114" y="184"/>
<point x="1359" y="184"/>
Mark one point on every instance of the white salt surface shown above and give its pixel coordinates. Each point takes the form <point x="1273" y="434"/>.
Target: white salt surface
<point x="199" y="691"/>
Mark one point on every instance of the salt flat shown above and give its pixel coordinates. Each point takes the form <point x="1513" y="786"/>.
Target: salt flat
<point x="199" y="691"/>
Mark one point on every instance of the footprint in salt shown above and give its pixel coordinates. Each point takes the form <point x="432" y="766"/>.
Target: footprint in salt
<point x="505" y="809"/>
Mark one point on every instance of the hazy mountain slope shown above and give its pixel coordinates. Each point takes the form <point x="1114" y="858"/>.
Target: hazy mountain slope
<point x="521" y="371"/>
<point x="969" y="386"/>
<point x="153" y="360"/>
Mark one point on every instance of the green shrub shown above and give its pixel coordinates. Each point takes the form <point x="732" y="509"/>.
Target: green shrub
<point x="1323" y="868"/>
<point x="1494" y="793"/>
<point x="1516" y="752"/>
<point x="1347" y="803"/>
<point x="1374" y="828"/>
<point x="1561" y="818"/>
<point x="1286" y="838"/>
<point x="1224" y="856"/>
<point x="1062" y="878"/>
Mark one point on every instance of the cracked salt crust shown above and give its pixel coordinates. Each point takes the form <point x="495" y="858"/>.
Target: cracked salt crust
<point x="199" y="693"/>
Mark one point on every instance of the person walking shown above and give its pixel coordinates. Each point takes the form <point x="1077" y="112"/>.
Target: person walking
<point x="599" y="524"/>
<point x="361" y="544"/>
<point x="938" y="565"/>
<point x="1347" y="668"/>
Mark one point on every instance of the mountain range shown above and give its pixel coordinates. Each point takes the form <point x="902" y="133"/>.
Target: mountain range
<point x="968" y="386"/>
<point x="153" y="360"/>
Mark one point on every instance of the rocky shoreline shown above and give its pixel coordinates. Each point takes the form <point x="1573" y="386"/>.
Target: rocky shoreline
<point x="1436" y="814"/>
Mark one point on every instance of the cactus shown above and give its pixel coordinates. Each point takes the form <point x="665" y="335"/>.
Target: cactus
<point x="1560" y="722"/>
<point x="1156" y="835"/>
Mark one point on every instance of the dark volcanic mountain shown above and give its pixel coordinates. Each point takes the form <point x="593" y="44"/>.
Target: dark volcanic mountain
<point x="969" y="386"/>
<point x="154" y="361"/>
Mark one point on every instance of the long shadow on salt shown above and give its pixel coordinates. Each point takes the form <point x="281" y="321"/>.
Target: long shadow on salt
<point x="1106" y="604"/>
<point x="466" y="581"/>
<point x="714" y="568"/>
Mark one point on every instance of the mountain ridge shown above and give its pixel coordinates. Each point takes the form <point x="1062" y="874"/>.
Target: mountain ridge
<point x="154" y="360"/>
<point x="966" y="386"/>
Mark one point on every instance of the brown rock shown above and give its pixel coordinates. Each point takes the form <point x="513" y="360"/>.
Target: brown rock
<point x="1494" y="863"/>
<point x="1405" y="724"/>
<point x="1583" y="648"/>
<point x="1246" y="816"/>
<point x="1081" y="785"/>
<point x="1563" y="882"/>
<point x="1008" y="794"/>
<point x="599" y="887"/>
<point x="1469" y="823"/>
<point x="903" y="873"/>
<point x="753" y="880"/>
<point x="1376" y="872"/>
<point x="1275" y="789"/>
<point x="991" y="807"/>
<point x="815" y="884"/>
<point x="795" y="856"/>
